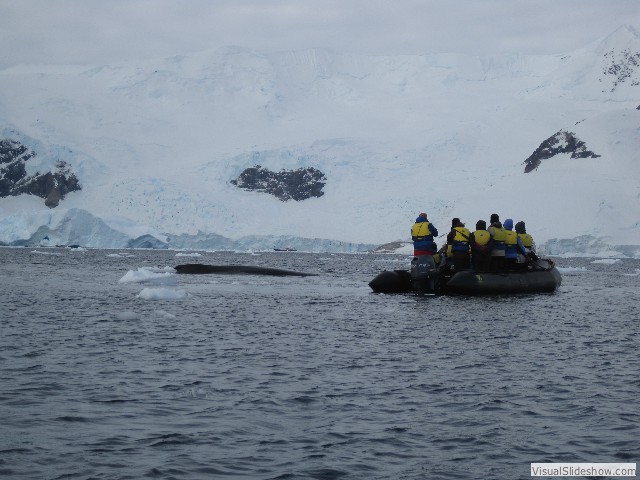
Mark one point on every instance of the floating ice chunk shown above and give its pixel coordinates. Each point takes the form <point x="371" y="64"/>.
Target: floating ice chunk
<point x="145" y="275"/>
<point x="572" y="269"/>
<point x="607" y="261"/>
<point x="162" y="294"/>
<point x="38" y="252"/>
<point x="127" y="315"/>
<point x="195" y="254"/>
<point x="165" y="315"/>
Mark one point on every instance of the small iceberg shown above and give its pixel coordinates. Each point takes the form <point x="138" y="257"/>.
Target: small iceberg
<point x="146" y="275"/>
<point x="162" y="294"/>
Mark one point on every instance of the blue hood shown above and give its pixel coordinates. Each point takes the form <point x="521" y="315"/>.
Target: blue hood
<point x="508" y="224"/>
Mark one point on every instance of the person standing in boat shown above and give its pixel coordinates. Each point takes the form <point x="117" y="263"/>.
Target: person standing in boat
<point x="458" y="245"/>
<point x="422" y="233"/>
<point x="498" y="236"/>
<point x="513" y="246"/>
<point x="481" y="244"/>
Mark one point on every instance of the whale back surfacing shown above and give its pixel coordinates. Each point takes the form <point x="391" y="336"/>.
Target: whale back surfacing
<point x="199" y="268"/>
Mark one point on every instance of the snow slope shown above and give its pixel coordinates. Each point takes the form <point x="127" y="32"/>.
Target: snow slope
<point x="155" y="144"/>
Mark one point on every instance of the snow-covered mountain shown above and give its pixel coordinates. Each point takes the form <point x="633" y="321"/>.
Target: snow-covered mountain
<point x="201" y="147"/>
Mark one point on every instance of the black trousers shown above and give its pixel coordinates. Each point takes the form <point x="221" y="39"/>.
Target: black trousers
<point x="460" y="260"/>
<point x="497" y="264"/>
<point x="481" y="263"/>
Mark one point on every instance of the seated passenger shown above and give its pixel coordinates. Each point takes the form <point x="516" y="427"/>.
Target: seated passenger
<point x="529" y="246"/>
<point x="513" y="246"/>
<point x="498" y="236"/>
<point x="458" y="245"/>
<point x="481" y="244"/>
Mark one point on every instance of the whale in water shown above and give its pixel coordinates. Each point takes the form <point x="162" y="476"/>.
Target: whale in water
<point x="199" y="268"/>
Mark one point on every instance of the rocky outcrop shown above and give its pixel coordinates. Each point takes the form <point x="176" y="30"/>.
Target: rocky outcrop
<point x="622" y="67"/>
<point x="52" y="186"/>
<point x="298" y="185"/>
<point x="561" y="142"/>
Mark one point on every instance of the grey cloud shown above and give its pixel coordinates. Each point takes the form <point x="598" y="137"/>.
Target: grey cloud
<point x="97" y="32"/>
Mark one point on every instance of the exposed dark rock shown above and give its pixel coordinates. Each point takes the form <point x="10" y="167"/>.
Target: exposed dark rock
<point x="53" y="198"/>
<point x="622" y="66"/>
<point x="52" y="186"/>
<point x="298" y="185"/>
<point x="13" y="155"/>
<point x="561" y="142"/>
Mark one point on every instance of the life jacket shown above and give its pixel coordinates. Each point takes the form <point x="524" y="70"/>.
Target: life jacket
<point x="422" y="237"/>
<point x="510" y="244"/>
<point x="499" y="237"/>
<point x="420" y="231"/>
<point x="481" y="241"/>
<point x="460" y="240"/>
<point x="527" y="240"/>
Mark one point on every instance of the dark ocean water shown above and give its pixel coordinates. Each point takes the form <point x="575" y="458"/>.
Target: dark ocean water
<point x="306" y="378"/>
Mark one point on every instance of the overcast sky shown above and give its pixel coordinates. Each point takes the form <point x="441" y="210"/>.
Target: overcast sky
<point x="112" y="31"/>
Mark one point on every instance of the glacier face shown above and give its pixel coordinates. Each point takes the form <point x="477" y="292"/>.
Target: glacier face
<point x="77" y="227"/>
<point x="156" y="145"/>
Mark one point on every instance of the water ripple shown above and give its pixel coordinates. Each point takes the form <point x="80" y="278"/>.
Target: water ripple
<point x="301" y="378"/>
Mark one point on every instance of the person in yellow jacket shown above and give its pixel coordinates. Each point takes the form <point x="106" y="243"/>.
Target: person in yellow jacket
<point x="458" y="245"/>
<point x="498" y="235"/>
<point x="481" y="244"/>
<point x="513" y="246"/>
<point x="529" y="246"/>
<point x="423" y="233"/>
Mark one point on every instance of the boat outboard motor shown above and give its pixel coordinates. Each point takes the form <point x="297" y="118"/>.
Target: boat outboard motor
<point x="425" y="277"/>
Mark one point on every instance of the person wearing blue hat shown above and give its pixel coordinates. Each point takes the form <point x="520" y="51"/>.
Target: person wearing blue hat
<point x="512" y="246"/>
<point x="422" y="233"/>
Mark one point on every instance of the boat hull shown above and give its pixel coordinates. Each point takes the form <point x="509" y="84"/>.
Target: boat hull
<point x="392" y="281"/>
<point x="472" y="283"/>
<point x="542" y="277"/>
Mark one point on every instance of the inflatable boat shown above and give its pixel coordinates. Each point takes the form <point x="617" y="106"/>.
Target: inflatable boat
<point x="425" y="277"/>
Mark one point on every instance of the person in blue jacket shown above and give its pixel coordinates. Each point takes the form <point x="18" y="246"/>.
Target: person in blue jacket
<point x="512" y="246"/>
<point x="422" y="233"/>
